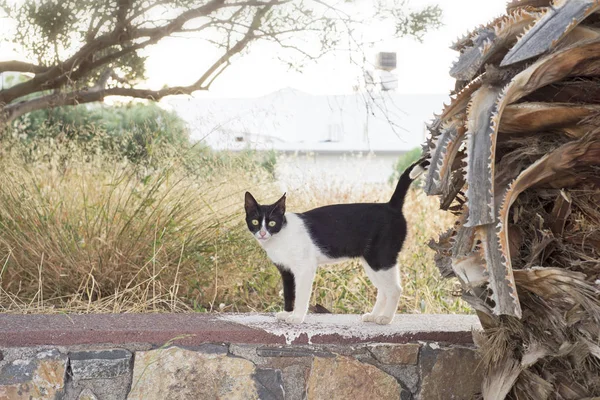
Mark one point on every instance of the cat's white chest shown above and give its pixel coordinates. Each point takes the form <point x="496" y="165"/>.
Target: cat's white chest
<point x="292" y="245"/>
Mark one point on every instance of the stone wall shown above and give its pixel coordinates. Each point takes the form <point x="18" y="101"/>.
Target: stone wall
<point x="330" y="357"/>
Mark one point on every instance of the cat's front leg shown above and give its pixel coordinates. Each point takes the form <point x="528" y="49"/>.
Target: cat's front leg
<point x="289" y="292"/>
<point x="303" y="280"/>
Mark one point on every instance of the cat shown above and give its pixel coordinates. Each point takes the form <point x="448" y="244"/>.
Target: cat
<point x="298" y="243"/>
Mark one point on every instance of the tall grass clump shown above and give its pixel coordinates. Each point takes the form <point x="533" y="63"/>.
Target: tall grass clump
<point x="88" y="231"/>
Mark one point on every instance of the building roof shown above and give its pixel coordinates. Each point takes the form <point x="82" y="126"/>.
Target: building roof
<point x="292" y="120"/>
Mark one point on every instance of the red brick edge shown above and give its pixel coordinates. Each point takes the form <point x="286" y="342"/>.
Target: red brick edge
<point x="196" y="329"/>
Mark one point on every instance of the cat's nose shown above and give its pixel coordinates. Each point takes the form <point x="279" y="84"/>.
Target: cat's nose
<point x="262" y="233"/>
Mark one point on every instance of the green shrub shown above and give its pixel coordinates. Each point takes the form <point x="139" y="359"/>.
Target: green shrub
<point x="404" y="161"/>
<point x="130" y="131"/>
<point x="141" y="133"/>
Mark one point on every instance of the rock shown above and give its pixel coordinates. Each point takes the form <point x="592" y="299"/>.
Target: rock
<point x="42" y="377"/>
<point x="176" y="373"/>
<point x="99" y="364"/>
<point x="275" y="357"/>
<point x="294" y="382"/>
<point x="269" y="384"/>
<point x="449" y="373"/>
<point x="247" y="351"/>
<point x="103" y="389"/>
<point x="405" y="395"/>
<point x="296" y="351"/>
<point x="407" y="375"/>
<point x="346" y="378"/>
<point x="361" y="354"/>
<point x="87" y="394"/>
<point x="396" y="353"/>
<point x="211" y="348"/>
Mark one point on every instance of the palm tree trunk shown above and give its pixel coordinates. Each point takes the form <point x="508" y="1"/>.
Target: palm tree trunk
<point x="516" y="157"/>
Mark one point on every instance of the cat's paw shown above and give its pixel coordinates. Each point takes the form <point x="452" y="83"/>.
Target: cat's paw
<point x="368" y="317"/>
<point x="282" y="315"/>
<point x="383" y="320"/>
<point x="294" y="319"/>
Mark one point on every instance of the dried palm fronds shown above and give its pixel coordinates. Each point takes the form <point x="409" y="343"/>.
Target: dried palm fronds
<point x="516" y="156"/>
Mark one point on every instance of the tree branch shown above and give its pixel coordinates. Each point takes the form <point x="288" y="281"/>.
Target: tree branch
<point x="124" y="6"/>
<point x="178" y="22"/>
<point x="98" y="92"/>
<point x="40" y="81"/>
<point x="239" y="46"/>
<point x="86" y="68"/>
<point x="19" y="66"/>
<point x="89" y="95"/>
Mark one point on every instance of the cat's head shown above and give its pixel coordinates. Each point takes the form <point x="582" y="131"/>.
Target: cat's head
<point x="264" y="221"/>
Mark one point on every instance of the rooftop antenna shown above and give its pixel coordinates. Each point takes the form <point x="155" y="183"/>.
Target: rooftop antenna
<point x="382" y="76"/>
<point x="386" y="62"/>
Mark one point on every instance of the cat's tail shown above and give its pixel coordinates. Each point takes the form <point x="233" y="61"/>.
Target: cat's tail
<point x="411" y="173"/>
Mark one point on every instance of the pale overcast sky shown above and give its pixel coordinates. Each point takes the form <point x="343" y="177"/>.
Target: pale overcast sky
<point x="422" y="67"/>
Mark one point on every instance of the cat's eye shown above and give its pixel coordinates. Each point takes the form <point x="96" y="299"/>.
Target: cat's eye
<point x="272" y="223"/>
<point x="255" y="222"/>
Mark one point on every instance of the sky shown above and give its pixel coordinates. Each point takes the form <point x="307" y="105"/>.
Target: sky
<point x="422" y="67"/>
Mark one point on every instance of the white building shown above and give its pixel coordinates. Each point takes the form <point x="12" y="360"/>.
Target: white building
<point x="359" y="135"/>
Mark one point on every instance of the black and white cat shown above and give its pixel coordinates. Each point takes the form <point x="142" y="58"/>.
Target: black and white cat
<point x="298" y="243"/>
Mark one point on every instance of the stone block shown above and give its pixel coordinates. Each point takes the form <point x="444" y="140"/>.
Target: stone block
<point x="407" y="375"/>
<point x="210" y="348"/>
<point x="346" y="378"/>
<point x="176" y="373"/>
<point x="275" y="357"/>
<point x="294" y="382"/>
<point x="297" y="351"/>
<point x="87" y="394"/>
<point x="40" y="377"/>
<point x="247" y="351"/>
<point x="396" y="353"/>
<point x="449" y="374"/>
<point x="405" y="395"/>
<point x="101" y="364"/>
<point x="269" y="384"/>
<point x="104" y="389"/>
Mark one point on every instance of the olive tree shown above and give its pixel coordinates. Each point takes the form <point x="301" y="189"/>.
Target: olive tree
<point x="81" y="51"/>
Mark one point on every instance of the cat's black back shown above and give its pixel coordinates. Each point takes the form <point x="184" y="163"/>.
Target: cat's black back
<point x="371" y="230"/>
<point x="374" y="231"/>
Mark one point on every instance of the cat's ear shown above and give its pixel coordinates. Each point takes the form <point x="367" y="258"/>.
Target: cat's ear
<point x="280" y="204"/>
<point x="250" y="203"/>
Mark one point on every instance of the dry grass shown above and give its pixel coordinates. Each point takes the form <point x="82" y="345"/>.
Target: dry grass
<point x="95" y="235"/>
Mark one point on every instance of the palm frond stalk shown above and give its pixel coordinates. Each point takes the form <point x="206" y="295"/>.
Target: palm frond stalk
<point x="516" y="157"/>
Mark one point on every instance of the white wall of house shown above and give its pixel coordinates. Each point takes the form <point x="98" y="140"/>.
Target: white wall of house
<point x="293" y="120"/>
<point x="295" y="171"/>
<point x="355" y="138"/>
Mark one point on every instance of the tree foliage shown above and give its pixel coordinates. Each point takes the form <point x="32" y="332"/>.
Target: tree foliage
<point x="403" y="162"/>
<point x="82" y="51"/>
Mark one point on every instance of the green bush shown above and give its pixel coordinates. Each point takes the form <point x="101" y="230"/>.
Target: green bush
<point x="143" y="134"/>
<point x="128" y="131"/>
<point x="404" y="161"/>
